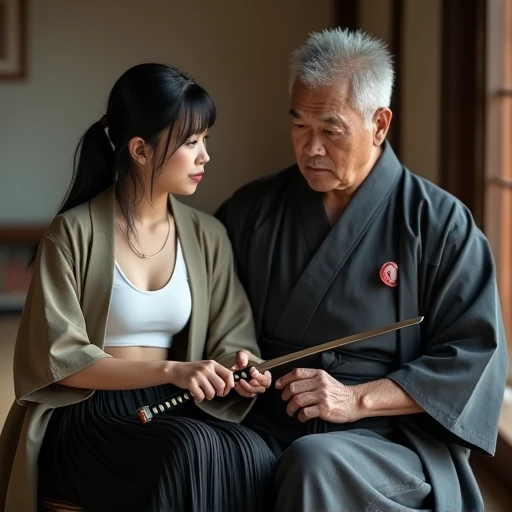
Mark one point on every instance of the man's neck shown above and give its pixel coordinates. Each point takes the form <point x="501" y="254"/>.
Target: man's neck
<point x="334" y="206"/>
<point x="336" y="201"/>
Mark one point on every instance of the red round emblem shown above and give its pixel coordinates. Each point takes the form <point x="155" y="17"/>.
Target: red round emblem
<point x="389" y="273"/>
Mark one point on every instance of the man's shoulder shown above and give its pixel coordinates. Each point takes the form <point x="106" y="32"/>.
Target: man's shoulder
<point x="436" y="208"/>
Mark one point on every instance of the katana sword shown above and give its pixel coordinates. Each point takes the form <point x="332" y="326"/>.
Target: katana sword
<point x="146" y="412"/>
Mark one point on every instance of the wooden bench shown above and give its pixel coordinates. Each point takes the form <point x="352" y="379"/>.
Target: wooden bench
<point x="49" y="505"/>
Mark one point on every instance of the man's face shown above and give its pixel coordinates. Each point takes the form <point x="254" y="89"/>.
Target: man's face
<point x="331" y="144"/>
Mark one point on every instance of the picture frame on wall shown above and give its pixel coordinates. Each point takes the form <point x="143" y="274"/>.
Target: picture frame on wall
<point x="13" y="39"/>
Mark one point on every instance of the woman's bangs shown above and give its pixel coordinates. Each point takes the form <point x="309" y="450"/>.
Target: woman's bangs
<point x="198" y="113"/>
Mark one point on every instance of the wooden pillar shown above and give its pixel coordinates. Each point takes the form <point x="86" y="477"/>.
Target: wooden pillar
<point x="463" y="102"/>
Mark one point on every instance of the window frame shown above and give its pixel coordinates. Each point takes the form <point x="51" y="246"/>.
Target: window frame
<point x="497" y="183"/>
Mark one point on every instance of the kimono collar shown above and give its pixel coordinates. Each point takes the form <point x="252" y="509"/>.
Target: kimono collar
<point x="377" y="185"/>
<point x="385" y="172"/>
<point x="98" y="289"/>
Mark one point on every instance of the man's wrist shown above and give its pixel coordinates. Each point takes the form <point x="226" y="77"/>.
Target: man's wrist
<point x="363" y="401"/>
<point x="383" y="398"/>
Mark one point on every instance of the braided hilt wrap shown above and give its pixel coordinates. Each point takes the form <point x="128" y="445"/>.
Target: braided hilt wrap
<point x="147" y="412"/>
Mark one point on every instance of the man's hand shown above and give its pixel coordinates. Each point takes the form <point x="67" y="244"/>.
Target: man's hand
<point x="318" y="395"/>
<point x="259" y="382"/>
<point x="315" y="394"/>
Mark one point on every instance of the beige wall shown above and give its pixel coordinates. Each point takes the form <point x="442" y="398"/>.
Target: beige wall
<point x="420" y="80"/>
<point x="375" y="17"/>
<point x="238" y="50"/>
<point x="421" y="87"/>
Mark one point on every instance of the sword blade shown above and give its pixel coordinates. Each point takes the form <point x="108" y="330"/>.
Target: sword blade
<point x="288" y="358"/>
<point x="147" y="412"/>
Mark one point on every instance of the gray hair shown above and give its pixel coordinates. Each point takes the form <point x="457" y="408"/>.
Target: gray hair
<point x="343" y="55"/>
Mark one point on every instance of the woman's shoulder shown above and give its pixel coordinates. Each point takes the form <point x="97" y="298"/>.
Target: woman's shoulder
<point x="209" y="233"/>
<point x="204" y="223"/>
<point x="68" y="227"/>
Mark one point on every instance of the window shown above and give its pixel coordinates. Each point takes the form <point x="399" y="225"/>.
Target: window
<point x="498" y="152"/>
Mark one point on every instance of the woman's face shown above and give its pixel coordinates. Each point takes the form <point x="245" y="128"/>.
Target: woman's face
<point x="180" y="172"/>
<point x="184" y="169"/>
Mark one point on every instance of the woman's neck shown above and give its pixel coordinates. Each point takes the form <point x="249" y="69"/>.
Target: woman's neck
<point x="149" y="210"/>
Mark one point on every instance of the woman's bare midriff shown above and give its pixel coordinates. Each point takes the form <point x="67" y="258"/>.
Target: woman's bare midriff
<point x="138" y="353"/>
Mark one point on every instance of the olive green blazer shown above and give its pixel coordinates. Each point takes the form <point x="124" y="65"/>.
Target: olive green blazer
<point x="62" y="328"/>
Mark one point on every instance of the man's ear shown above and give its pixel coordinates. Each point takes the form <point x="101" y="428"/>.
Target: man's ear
<point x="381" y="123"/>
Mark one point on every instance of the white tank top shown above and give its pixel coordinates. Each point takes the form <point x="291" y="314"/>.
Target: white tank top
<point x="148" y="318"/>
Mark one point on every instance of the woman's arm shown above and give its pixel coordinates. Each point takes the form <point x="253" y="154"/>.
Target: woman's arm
<point x="204" y="379"/>
<point x="117" y="374"/>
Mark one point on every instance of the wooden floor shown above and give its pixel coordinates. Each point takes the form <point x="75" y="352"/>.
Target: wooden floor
<point x="497" y="498"/>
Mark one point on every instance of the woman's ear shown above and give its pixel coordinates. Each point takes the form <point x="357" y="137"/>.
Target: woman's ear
<point x="138" y="150"/>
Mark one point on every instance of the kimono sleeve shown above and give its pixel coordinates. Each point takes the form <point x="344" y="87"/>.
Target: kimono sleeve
<point x="231" y="324"/>
<point x="460" y="378"/>
<point x="52" y="341"/>
<point x="230" y="329"/>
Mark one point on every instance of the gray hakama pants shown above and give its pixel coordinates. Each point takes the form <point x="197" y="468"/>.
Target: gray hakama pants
<point x="350" y="471"/>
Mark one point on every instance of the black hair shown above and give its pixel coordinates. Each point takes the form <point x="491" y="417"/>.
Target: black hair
<point x="148" y="101"/>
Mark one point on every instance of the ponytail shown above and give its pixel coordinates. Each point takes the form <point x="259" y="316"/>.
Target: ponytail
<point x="93" y="167"/>
<point x="93" y="170"/>
<point x="149" y="101"/>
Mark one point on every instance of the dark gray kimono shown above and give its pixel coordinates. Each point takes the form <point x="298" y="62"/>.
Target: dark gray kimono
<point x="309" y="283"/>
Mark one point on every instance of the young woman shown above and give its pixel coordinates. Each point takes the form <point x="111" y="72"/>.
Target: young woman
<point x="134" y="295"/>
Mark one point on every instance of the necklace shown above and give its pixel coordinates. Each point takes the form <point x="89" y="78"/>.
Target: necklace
<point x="138" y="252"/>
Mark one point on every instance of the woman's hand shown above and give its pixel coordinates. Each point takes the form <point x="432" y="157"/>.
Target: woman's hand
<point x="204" y="379"/>
<point x="259" y="382"/>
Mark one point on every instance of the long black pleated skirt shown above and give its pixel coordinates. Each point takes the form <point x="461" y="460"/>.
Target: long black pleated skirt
<point x="98" y="455"/>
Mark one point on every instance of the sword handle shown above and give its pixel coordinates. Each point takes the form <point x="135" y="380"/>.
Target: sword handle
<point x="244" y="374"/>
<point x="147" y="412"/>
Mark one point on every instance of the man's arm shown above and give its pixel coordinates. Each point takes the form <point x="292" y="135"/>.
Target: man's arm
<point x="315" y="394"/>
<point x="383" y="397"/>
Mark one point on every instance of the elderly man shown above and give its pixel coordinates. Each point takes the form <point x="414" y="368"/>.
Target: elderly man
<point x="347" y="240"/>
